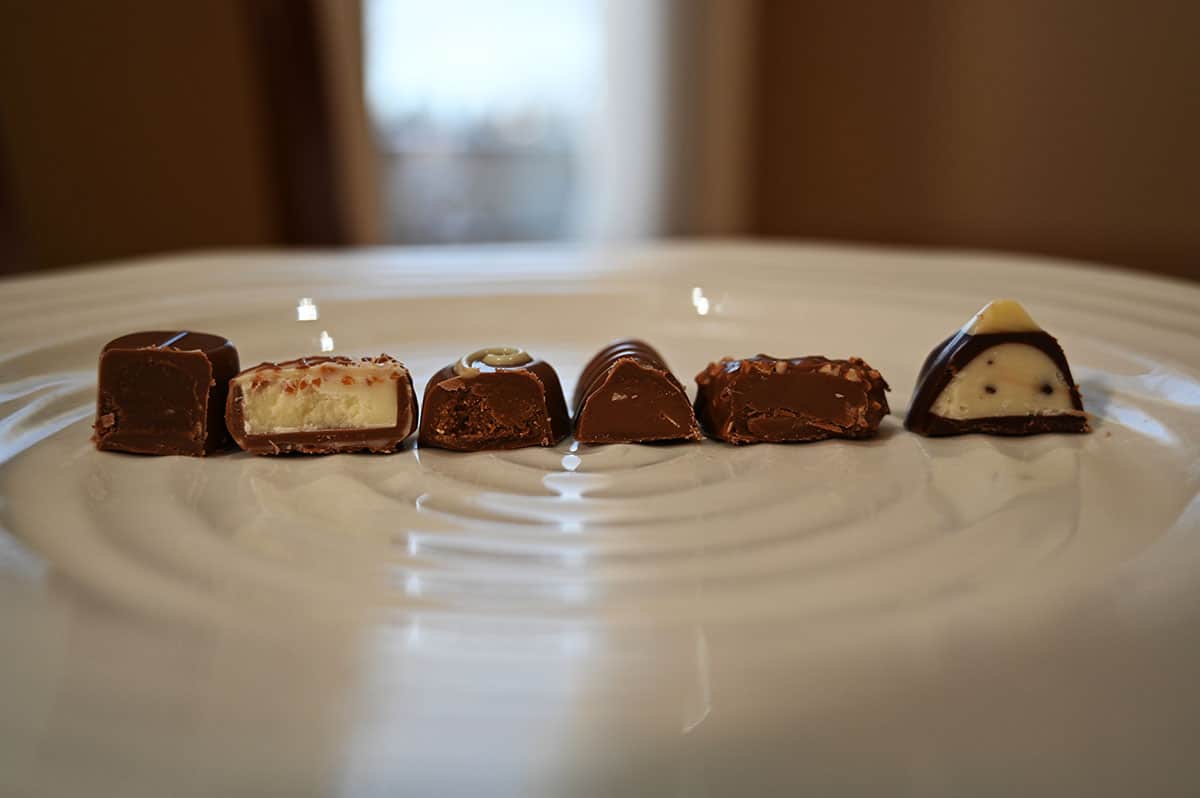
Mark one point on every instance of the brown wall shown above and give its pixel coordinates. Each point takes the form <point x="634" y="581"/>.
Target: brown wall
<point x="1067" y="127"/>
<point x="132" y="126"/>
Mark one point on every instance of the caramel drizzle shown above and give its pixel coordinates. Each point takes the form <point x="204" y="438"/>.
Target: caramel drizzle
<point x="493" y="357"/>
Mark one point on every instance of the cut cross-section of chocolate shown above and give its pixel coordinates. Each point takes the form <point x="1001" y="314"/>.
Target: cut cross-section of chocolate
<point x="626" y="394"/>
<point x="765" y="399"/>
<point x="496" y="398"/>
<point x="1000" y="374"/>
<point x="164" y="393"/>
<point x="322" y="405"/>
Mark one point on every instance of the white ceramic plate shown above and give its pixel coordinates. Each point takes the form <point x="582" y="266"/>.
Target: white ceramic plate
<point x="968" y="616"/>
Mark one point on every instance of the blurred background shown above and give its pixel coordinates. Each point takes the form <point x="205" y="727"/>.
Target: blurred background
<point x="1065" y="127"/>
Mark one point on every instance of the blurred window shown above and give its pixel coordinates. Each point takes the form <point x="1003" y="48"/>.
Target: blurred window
<point x="480" y="109"/>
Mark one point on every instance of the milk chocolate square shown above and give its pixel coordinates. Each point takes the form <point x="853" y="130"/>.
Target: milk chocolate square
<point x="164" y="393"/>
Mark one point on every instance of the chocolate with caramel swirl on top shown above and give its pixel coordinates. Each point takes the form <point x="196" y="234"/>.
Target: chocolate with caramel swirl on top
<point x="495" y="398"/>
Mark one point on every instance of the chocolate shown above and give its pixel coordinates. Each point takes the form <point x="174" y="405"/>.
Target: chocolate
<point x="164" y="393"/>
<point x="322" y="405"/>
<point x="1001" y="374"/>
<point x="765" y="399"/>
<point x="491" y="400"/>
<point x="626" y="394"/>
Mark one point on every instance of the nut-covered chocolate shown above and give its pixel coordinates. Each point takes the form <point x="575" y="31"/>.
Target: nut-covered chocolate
<point x="766" y="399"/>
<point x="1001" y="374"/>
<point x="164" y="393"/>
<point x="322" y="405"/>
<point x="626" y="394"/>
<point x="473" y="404"/>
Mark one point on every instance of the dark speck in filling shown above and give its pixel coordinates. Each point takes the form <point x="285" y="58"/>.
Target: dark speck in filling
<point x="990" y="361"/>
<point x="1047" y="388"/>
<point x="990" y="388"/>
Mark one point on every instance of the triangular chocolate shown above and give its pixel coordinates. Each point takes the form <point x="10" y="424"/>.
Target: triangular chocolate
<point x="1001" y="374"/>
<point x="626" y="394"/>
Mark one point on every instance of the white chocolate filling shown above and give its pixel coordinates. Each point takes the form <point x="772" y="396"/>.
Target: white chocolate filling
<point x="1001" y="316"/>
<point x="1006" y="380"/>
<point x="323" y="396"/>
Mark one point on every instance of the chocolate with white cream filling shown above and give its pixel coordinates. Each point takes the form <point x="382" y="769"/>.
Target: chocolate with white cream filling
<point x="1000" y="374"/>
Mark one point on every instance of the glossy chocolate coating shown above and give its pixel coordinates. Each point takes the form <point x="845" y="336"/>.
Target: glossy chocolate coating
<point x="626" y="394"/>
<point x="771" y="400"/>
<point x="498" y="408"/>
<point x="326" y="441"/>
<point x="164" y="393"/>
<point x="961" y="348"/>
